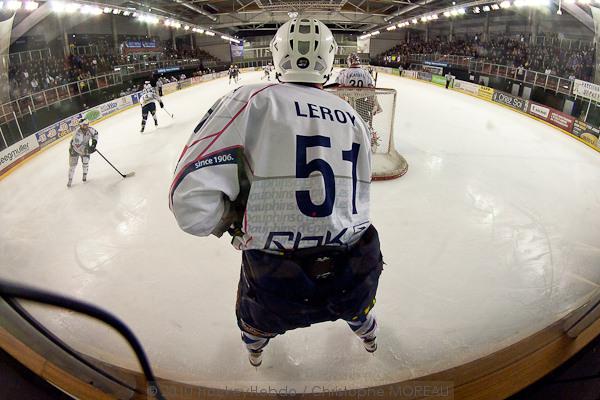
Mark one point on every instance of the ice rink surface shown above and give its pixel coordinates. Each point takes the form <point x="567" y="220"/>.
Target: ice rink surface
<point x="492" y="235"/>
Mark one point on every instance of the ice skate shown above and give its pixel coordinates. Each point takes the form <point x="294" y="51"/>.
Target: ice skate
<point x="255" y="357"/>
<point x="370" y="344"/>
<point x="84" y="178"/>
<point x="69" y="183"/>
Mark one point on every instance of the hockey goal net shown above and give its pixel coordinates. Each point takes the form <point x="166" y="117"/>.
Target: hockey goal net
<point x="376" y="107"/>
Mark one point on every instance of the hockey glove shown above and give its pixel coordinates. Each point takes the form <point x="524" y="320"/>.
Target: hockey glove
<point x="92" y="148"/>
<point x="240" y="239"/>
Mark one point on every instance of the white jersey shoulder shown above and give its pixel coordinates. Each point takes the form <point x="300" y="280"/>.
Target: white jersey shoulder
<point x="306" y="154"/>
<point x="148" y="97"/>
<point x="81" y="140"/>
<point x="356" y="77"/>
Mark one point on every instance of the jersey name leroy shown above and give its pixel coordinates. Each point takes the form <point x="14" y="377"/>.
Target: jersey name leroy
<point x="306" y="154"/>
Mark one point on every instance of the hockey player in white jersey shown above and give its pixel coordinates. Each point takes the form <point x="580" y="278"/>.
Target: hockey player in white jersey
<point x="354" y="75"/>
<point x="231" y="73"/>
<point x="147" y="101"/>
<point x="286" y="170"/>
<point x="83" y="143"/>
<point x="267" y="72"/>
<point x="357" y="77"/>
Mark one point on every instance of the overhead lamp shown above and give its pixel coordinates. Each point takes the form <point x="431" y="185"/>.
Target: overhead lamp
<point x="391" y="28"/>
<point x="447" y="14"/>
<point x="476" y="10"/>
<point x="57" y="6"/>
<point x="505" y="4"/>
<point x="454" y="13"/>
<point x="107" y="10"/>
<point x="423" y="19"/>
<point x="72" y="7"/>
<point x="31" y="5"/>
<point x="187" y="27"/>
<point x="434" y="16"/>
<point x="486" y="8"/>
<point x="116" y="11"/>
<point x="495" y="7"/>
<point x="13" y="5"/>
<point x="414" y="21"/>
<point x="127" y="13"/>
<point x="461" y="11"/>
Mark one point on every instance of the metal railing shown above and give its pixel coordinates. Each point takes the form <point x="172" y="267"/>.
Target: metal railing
<point x="148" y="66"/>
<point x="93" y="50"/>
<point x="550" y="82"/>
<point x="25" y="57"/>
<point x="563" y="43"/>
<point x="39" y="100"/>
<point x="546" y="81"/>
<point x="442" y="58"/>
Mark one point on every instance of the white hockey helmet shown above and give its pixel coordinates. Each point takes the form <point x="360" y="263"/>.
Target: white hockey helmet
<point x="84" y="123"/>
<point x="353" y="59"/>
<point x="303" y="51"/>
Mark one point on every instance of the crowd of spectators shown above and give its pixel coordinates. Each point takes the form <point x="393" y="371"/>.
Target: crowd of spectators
<point x="516" y="52"/>
<point x="34" y="76"/>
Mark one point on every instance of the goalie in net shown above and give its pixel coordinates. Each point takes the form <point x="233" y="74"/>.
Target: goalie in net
<point x="376" y="107"/>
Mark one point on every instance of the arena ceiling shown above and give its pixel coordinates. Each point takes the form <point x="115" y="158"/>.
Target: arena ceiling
<point x="252" y="17"/>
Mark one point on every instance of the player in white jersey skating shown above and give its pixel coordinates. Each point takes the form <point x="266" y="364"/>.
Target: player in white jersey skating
<point x="83" y="143"/>
<point x="286" y="169"/>
<point x="354" y="75"/>
<point x="148" y="106"/>
<point x="231" y="73"/>
<point x="267" y="72"/>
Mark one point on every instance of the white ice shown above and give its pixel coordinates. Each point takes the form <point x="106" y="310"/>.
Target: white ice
<point x="492" y="235"/>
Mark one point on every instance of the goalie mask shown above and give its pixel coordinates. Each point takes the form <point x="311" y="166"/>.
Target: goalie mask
<point x="303" y="51"/>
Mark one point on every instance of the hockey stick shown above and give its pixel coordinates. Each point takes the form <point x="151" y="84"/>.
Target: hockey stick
<point x="132" y="173"/>
<point x="168" y="113"/>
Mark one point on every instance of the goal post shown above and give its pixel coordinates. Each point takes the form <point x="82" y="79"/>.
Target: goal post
<point x="376" y="106"/>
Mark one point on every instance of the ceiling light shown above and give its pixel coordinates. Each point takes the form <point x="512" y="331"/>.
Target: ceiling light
<point x="505" y="4"/>
<point x="476" y="10"/>
<point x="31" y="5"/>
<point x="116" y="11"/>
<point x="447" y="14"/>
<point x="486" y="8"/>
<point x="13" y="5"/>
<point x="72" y="7"/>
